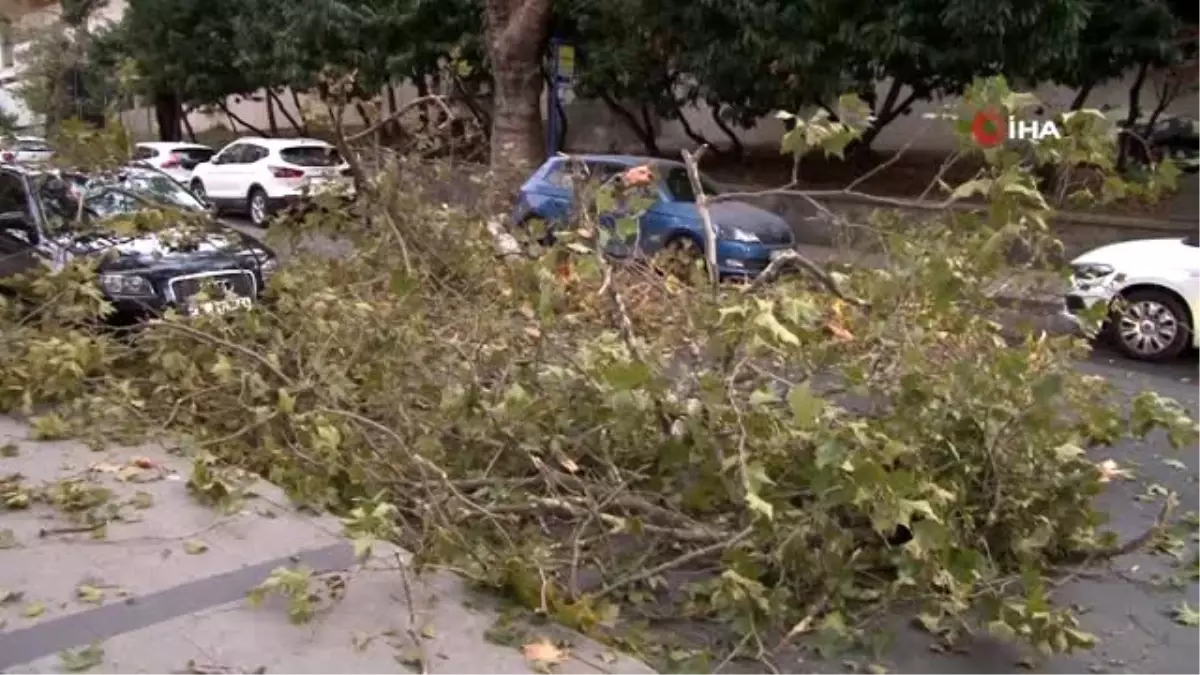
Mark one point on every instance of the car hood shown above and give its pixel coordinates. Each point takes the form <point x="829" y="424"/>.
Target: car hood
<point x="1142" y="253"/>
<point x="183" y="248"/>
<point x="766" y="225"/>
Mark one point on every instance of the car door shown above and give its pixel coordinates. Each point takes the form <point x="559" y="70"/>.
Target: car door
<point x="18" y="231"/>
<point x="242" y="172"/>
<point x="218" y="182"/>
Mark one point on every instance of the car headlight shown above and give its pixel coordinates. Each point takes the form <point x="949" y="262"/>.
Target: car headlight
<point x="125" y="284"/>
<point x="1091" y="271"/>
<point x="268" y="267"/>
<point x="738" y="234"/>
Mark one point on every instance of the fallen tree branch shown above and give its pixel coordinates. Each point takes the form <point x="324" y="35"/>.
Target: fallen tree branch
<point x="400" y="112"/>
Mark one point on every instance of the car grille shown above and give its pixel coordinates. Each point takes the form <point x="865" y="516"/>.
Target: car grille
<point x="237" y="282"/>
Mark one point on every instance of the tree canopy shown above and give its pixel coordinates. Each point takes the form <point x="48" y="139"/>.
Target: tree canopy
<point x="650" y="61"/>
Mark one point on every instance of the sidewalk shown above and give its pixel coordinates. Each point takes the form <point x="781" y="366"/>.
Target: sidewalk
<point x="164" y="588"/>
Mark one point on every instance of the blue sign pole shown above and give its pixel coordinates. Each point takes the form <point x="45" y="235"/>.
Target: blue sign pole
<point x="553" y="100"/>
<point x="562" y="76"/>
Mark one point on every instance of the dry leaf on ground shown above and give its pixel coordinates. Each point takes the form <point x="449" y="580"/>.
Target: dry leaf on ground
<point x="543" y="652"/>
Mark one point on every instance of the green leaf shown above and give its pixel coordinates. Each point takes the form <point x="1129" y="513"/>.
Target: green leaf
<point x="759" y="505"/>
<point x="34" y="609"/>
<point x="1185" y="615"/>
<point x="768" y="321"/>
<point x="627" y="376"/>
<point x="89" y="594"/>
<point x="979" y="186"/>
<point x="806" y="406"/>
<point x="77" y="661"/>
<point x="627" y="228"/>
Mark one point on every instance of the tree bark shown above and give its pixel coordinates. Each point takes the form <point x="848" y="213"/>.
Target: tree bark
<point x="272" y="123"/>
<point x="187" y="123"/>
<point x="516" y="31"/>
<point x="235" y="120"/>
<point x="1081" y="96"/>
<point x="166" y="115"/>
<point x="1131" y="141"/>
<point x="271" y="95"/>
<point x="299" y="111"/>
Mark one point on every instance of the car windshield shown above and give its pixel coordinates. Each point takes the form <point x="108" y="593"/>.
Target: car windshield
<point x="311" y="155"/>
<point x="675" y="179"/>
<point x="130" y="192"/>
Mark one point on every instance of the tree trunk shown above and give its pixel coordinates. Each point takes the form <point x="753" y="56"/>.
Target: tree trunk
<point x="272" y="123"/>
<point x="287" y="115"/>
<point x="299" y="111"/>
<point x="187" y="123"/>
<point x="516" y="31"/>
<point x="166" y="114"/>
<point x="1130" y="140"/>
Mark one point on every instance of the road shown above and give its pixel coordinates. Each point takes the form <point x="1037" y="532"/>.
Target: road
<point x="1127" y="606"/>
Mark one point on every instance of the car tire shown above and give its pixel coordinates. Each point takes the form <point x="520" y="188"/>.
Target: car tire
<point x="257" y="207"/>
<point x="1150" y="325"/>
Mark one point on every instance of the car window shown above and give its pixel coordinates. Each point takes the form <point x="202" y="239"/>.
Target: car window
<point x="253" y="154"/>
<point x="196" y="155"/>
<point x="679" y="186"/>
<point x="604" y="170"/>
<point x="558" y="175"/>
<point x="12" y="194"/>
<point x="311" y="155"/>
<point x="233" y="153"/>
<point x="31" y="146"/>
<point x="143" y="152"/>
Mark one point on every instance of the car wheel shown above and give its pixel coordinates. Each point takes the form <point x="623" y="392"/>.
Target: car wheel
<point x="679" y="257"/>
<point x="256" y="207"/>
<point x="1150" y="325"/>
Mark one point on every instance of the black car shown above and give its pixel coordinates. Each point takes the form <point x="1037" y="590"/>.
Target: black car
<point x="200" y="266"/>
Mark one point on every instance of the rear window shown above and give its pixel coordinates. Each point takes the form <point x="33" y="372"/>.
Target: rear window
<point x="31" y="146"/>
<point x="196" y="154"/>
<point x="311" y="155"/>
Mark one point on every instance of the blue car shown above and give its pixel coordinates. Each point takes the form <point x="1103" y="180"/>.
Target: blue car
<point x="747" y="236"/>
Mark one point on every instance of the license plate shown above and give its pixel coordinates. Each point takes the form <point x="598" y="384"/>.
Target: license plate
<point x="223" y="306"/>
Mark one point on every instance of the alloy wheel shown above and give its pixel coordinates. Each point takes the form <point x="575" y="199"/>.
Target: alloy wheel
<point x="1147" y="327"/>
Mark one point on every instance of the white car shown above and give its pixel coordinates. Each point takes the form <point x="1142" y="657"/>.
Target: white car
<point x="1150" y="289"/>
<point x="258" y="176"/>
<point x="26" y="150"/>
<point x="177" y="160"/>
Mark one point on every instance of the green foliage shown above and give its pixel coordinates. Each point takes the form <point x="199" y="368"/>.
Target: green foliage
<point x="592" y="438"/>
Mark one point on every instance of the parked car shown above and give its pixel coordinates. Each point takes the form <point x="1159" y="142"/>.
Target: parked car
<point x="748" y="237"/>
<point x="140" y="274"/>
<point x="1150" y="289"/>
<point x="260" y="176"/>
<point x="26" y="150"/>
<point x="177" y="160"/>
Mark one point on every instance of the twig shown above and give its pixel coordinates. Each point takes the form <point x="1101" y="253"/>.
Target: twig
<point x="173" y="325"/>
<point x="794" y="257"/>
<point x="675" y="562"/>
<point x="399" y="112"/>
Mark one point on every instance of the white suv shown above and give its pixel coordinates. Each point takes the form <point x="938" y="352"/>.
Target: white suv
<point x="258" y="176"/>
